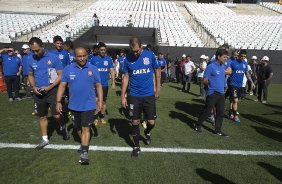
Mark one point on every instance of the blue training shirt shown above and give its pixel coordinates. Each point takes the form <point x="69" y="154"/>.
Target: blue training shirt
<point x="141" y="72"/>
<point x="25" y="59"/>
<point x="81" y="83"/>
<point x="104" y="65"/>
<point x="215" y="73"/>
<point x="162" y="62"/>
<point x="238" y="71"/>
<point x="11" y="64"/>
<point x="63" y="56"/>
<point x="43" y="67"/>
<point x="121" y="59"/>
<point x="71" y="56"/>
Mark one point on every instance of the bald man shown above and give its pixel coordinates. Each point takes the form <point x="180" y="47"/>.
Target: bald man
<point x="81" y="78"/>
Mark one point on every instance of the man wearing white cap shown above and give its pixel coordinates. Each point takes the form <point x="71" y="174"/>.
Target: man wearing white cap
<point x="264" y="75"/>
<point x="254" y="66"/>
<point x="200" y="74"/>
<point x="26" y="55"/>
<point x="180" y="64"/>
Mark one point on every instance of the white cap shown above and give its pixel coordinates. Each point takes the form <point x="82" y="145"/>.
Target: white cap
<point x="207" y="58"/>
<point x="25" y="46"/>
<point x="254" y="57"/>
<point x="203" y="57"/>
<point x="265" y="58"/>
<point x="184" y="55"/>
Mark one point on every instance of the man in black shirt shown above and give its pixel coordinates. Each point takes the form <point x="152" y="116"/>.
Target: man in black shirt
<point x="264" y="75"/>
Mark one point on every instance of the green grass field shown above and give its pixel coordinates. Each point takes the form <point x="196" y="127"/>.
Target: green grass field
<point x="260" y="130"/>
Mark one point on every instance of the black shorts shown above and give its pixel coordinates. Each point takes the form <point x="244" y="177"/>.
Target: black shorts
<point x="42" y="103"/>
<point x="105" y="92"/>
<point x="83" y="118"/>
<point x="139" y="105"/>
<point x="235" y="92"/>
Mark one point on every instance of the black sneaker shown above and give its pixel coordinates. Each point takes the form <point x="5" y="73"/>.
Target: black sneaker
<point x="148" y="138"/>
<point x="135" y="152"/>
<point x="42" y="145"/>
<point x="84" y="159"/>
<point x="198" y="128"/>
<point x="65" y="134"/>
<point x="220" y="133"/>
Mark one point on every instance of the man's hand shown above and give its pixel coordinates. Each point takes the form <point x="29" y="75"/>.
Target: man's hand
<point x="253" y="86"/>
<point x="113" y="86"/>
<point x="157" y="94"/>
<point x="123" y="102"/>
<point x="59" y="107"/>
<point x="35" y="90"/>
<point x="18" y="73"/>
<point x="99" y="106"/>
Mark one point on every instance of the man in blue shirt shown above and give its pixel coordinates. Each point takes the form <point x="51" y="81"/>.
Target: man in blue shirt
<point x="81" y="78"/>
<point x="12" y="70"/>
<point x="120" y="60"/>
<point x="239" y="68"/>
<point x="68" y="46"/>
<point x="139" y="68"/>
<point x="95" y="52"/>
<point x="105" y="67"/>
<point x="25" y="59"/>
<point x="162" y="62"/>
<point x="60" y="52"/>
<point x="214" y="79"/>
<point x="44" y="75"/>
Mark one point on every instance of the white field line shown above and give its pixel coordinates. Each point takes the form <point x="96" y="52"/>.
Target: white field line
<point x="153" y="150"/>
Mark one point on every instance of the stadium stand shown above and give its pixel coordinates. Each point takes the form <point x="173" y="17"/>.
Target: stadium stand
<point x="171" y="26"/>
<point x="272" y="6"/>
<point x="239" y="31"/>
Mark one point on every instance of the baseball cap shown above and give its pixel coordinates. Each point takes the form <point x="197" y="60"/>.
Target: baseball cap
<point x="203" y="57"/>
<point x="184" y="55"/>
<point x="254" y="57"/>
<point x="265" y="58"/>
<point x="25" y="46"/>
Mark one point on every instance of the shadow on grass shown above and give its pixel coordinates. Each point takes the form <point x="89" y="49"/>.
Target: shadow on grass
<point x="274" y="106"/>
<point x="118" y="92"/>
<point x="191" y="109"/>
<point x="262" y="120"/>
<point x="272" y="134"/>
<point x="212" y="177"/>
<point x="176" y="87"/>
<point x="52" y="127"/>
<point x="274" y="171"/>
<point x="183" y="118"/>
<point x="123" y="128"/>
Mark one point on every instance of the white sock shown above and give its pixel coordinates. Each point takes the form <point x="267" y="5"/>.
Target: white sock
<point x="45" y="138"/>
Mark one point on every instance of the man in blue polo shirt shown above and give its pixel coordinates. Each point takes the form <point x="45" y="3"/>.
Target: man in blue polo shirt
<point x="25" y="59"/>
<point x="68" y="46"/>
<point x="12" y="70"/>
<point x="44" y="75"/>
<point x="140" y="66"/>
<point x="214" y="79"/>
<point x="60" y="52"/>
<point x="82" y="78"/>
<point x="105" y="67"/>
<point x="162" y="62"/>
<point x="239" y="68"/>
<point x="120" y="60"/>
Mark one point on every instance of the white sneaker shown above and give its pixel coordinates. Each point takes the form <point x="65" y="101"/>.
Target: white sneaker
<point x="11" y="99"/>
<point x="251" y="93"/>
<point x="18" y="99"/>
<point x="264" y="102"/>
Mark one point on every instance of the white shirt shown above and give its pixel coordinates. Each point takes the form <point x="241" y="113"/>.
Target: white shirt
<point x="67" y="32"/>
<point x="202" y="65"/>
<point x="245" y="78"/>
<point x="188" y="67"/>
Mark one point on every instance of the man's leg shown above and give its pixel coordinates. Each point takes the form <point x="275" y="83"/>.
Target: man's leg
<point x="265" y="91"/>
<point x="260" y="87"/>
<point x="8" y="81"/>
<point x="219" y="114"/>
<point x="42" y="112"/>
<point x="149" y="107"/>
<point x="189" y="79"/>
<point x="16" y="86"/>
<point x="103" y="110"/>
<point x="184" y="82"/>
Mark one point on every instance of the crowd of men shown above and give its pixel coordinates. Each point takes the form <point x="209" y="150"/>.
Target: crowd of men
<point x="67" y="79"/>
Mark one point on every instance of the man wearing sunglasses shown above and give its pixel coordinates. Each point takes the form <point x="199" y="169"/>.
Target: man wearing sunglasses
<point x="239" y="68"/>
<point x="12" y="70"/>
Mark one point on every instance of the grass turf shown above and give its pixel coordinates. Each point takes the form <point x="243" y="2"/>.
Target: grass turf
<point x="260" y="129"/>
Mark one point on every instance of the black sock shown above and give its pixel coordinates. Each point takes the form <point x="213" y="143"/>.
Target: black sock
<point x="85" y="148"/>
<point x="136" y="135"/>
<point x="149" y="128"/>
<point x="102" y="116"/>
<point x="230" y="111"/>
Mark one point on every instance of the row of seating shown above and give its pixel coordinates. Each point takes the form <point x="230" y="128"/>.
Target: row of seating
<point x="272" y="6"/>
<point x="239" y="31"/>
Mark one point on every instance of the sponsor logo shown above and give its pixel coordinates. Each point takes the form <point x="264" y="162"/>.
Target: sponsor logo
<point x="106" y="63"/>
<point x="49" y="62"/>
<point x="240" y="71"/>
<point x="61" y="56"/>
<point x="217" y="72"/>
<point x="141" y="71"/>
<point x="89" y="73"/>
<point x="102" y="69"/>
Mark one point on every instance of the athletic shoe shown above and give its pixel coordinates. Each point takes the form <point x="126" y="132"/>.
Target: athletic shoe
<point x="256" y="100"/>
<point x="211" y="119"/>
<point x="198" y="128"/>
<point x="84" y="159"/>
<point x="65" y="134"/>
<point x="18" y="99"/>
<point x="220" y="133"/>
<point x="251" y="93"/>
<point x="237" y="119"/>
<point x="11" y="99"/>
<point x="148" y="138"/>
<point x="42" y="145"/>
<point x="264" y="102"/>
<point x="135" y="152"/>
<point x="231" y="116"/>
<point x="103" y="121"/>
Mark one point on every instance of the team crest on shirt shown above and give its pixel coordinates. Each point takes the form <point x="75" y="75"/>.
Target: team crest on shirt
<point x="89" y="73"/>
<point x="217" y="72"/>
<point x="61" y="56"/>
<point x="146" y="61"/>
<point x="106" y="63"/>
<point x="244" y="66"/>
<point x="49" y="62"/>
